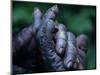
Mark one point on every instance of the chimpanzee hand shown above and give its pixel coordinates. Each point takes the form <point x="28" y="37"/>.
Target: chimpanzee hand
<point x="59" y="49"/>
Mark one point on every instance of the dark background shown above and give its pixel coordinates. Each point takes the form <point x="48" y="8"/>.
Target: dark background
<point x="77" y="18"/>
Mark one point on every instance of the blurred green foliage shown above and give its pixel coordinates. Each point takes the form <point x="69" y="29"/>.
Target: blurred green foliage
<point x="77" y="18"/>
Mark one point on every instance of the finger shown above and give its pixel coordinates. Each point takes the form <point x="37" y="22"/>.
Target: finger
<point x="61" y="39"/>
<point x="82" y="42"/>
<point x="71" y="52"/>
<point x="51" y="13"/>
<point x="31" y="47"/>
<point x="47" y="46"/>
<point x="37" y="15"/>
<point x="22" y="38"/>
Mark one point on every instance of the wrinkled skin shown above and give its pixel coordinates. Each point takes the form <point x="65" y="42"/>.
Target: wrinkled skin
<point x="46" y="46"/>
